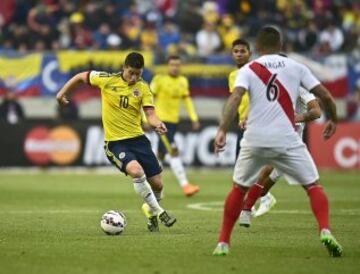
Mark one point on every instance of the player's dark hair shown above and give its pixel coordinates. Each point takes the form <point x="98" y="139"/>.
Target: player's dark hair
<point x="134" y="60"/>
<point x="241" y="41"/>
<point x="173" y="57"/>
<point x="268" y="38"/>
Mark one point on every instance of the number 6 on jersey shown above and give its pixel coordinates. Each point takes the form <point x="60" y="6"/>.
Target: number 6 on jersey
<point x="272" y="90"/>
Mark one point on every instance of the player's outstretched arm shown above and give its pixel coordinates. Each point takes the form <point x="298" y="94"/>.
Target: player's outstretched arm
<point x="69" y="85"/>
<point x="329" y="107"/>
<point x="229" y="113"/>
<point x="231" y="107"/>
<point x="313" y="113"/>
<point x="154" y="120"/>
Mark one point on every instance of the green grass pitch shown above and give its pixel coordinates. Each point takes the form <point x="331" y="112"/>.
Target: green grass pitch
<point x="49" y="223"/>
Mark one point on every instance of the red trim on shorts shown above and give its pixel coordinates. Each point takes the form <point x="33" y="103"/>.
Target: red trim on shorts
<point x="284" y="98"/>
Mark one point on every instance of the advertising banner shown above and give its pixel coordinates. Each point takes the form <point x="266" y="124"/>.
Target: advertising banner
<point x="342" y="151"/>
<point x="53" y="143"/>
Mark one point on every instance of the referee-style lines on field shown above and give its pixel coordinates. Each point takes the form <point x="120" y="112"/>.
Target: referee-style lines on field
<point x="218" y="206"/>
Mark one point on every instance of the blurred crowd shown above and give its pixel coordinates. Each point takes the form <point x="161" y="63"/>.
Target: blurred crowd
<point x="189" y="28"/>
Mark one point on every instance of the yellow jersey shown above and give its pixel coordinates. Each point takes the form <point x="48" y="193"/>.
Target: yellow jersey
<point x="243" y="109"/>
<point x="169" y="93"/>
<point x="121" y="104"/>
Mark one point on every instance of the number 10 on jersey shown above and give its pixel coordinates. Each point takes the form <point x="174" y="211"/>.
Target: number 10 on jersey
<point x="124" y="101"/>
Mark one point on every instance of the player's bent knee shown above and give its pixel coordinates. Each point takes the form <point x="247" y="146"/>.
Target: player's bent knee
<point x="134" y="169"/>
<point x="156" y="182"/>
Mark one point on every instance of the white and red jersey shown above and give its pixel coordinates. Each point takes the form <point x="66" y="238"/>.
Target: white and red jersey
<point x="273" y="82"/>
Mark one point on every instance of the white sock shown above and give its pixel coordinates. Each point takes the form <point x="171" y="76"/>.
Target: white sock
<point x="143" y="188"/>
<point x="178" y="169"/>
<point x="158" y="195"/>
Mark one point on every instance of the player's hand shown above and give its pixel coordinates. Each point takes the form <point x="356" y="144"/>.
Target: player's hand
<point x="146" y="126"/>
<point x="220" y="141"/>
<point x="161" y="128"/>
<point x="62" y="100"/>
<point x="242" y="124"/>
<point x="196" y="125"/>
<point x="330" y="129"/>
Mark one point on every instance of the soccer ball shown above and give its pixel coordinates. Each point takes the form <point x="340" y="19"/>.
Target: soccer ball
<point x="113" y="222"/>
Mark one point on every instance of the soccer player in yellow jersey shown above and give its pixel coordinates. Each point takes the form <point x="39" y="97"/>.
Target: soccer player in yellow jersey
<point x="170" y="90"/>
<point x="123" y="96"/>
<point x="241" y="54"/>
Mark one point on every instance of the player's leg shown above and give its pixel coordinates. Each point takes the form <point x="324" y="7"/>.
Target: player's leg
<point x="232" y="208"/>
<point x="267" y="200"/>
<point x="176" y="163"/>
<point x="120" y="154"/>
<point x="245" y="173"/>
<point x="297" y="165"/>
<point x="152" y="170"/>
<point x="254" y="193"/>
<point x="142" y="187"/>
<point x="156" y="184"/>
<point x="161" y="152"/>
<point x="320" y="207"/>
<point x="258" y="189"/>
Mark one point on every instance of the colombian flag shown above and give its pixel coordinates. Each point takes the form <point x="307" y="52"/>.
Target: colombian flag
<point x="21" y="74"/>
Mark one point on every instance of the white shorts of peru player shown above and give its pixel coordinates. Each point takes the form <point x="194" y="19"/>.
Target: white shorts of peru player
<point x="295" y="164"/>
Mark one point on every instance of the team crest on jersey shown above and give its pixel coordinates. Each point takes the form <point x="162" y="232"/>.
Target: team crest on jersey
<point x="122" y="155"/>
<point x="136" y="93"/>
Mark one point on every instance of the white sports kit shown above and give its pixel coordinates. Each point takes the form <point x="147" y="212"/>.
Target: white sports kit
<point x="273" y="82"/>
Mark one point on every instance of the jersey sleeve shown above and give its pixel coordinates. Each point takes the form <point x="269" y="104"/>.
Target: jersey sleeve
<point x="147" y="98"/>
<point x="230" y="84"/>
<point x="186" y="91"/>
<point x="231" y="81"/>
<point x="154" y="84"/>
<point x="98" y="78"/>
<point x="242" y="78"/>
<point x="306" y="96"/>
<point x="308" y="80"/>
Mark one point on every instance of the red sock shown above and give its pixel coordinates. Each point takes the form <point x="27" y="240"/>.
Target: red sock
<point x="253" y="194"/>
<point x="319" y="205"/>
<point x="232" y="208"/>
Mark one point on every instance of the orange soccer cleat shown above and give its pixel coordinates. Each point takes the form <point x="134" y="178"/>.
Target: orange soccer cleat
<point x="189" y="190"/>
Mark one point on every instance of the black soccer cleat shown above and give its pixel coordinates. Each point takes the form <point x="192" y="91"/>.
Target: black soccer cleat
<point x="167" y="219"/>
<point x="153" y="224"/>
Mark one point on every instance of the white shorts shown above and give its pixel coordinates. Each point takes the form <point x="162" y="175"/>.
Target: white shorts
<point x="275" y="175"/>
<point x="296" y="164"/>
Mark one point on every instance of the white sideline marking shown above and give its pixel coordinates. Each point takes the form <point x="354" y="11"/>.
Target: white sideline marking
<point x="207" y="206"/>
<point x="218" y="206"/>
